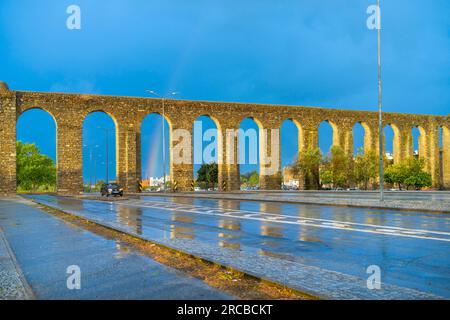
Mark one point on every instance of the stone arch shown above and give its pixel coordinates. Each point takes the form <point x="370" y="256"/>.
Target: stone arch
<point x="149" y="158"/>
<point x="43" y="108"/>
<point x="98" y="138"/>
<point x="166" y="118"/>
<point x="113" y="117"/>
<point x="290" y="153"/>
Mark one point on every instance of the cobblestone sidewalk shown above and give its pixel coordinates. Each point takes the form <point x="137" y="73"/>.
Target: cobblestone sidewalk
<point x="12" y="283"/>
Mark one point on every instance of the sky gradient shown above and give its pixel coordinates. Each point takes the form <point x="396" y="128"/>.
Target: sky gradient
<point x="279" y="52"/>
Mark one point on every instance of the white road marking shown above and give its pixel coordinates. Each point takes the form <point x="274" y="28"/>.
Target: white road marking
<point x="286" y="219"/>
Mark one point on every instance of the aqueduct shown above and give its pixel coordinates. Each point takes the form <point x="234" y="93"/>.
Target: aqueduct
<point x="69" y="111"/>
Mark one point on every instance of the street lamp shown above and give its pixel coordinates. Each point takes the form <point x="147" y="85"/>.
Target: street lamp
<point x="90" y="164"/>
<point x="163" y="99"/>
<point x="107" y="151"/>
<point x="380" y="119"/>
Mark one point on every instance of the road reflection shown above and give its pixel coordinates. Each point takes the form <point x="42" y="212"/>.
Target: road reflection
<point x="130" y="217"/>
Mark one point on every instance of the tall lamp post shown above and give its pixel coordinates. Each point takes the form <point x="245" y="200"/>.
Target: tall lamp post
<point x="90" y="164"/>
<point x="380" y="119"/>
<point x="163" y="99"/>
<point x="107" y="150"/>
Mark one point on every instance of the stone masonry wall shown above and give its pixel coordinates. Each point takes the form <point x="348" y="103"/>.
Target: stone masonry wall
<point x="70" y="110"/>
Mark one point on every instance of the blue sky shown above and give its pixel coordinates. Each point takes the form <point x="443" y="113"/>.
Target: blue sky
<point x="282" y="52"/>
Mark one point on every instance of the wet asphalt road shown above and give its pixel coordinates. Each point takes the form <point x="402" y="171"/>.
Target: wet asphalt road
<point x="280" y="241"/>
<point x="45" y="246"/>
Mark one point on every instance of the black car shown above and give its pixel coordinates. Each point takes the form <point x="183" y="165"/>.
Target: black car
<point x="111" y="189"/>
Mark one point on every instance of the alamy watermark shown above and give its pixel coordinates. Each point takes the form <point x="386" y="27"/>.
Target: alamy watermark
<point x="73" y="21"/>
<point x="74" y="278"/>
<point x="374" y="19"/>
<point x="218" y="146"/>
<point x="374" y="280"/>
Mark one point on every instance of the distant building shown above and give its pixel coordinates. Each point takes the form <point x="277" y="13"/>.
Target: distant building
<point x="389" y="156"/>
<point x="289" y="178"/>
<point x="154" y="181"/>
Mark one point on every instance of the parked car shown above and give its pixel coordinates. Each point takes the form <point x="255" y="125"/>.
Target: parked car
<point x="111" y="189"/>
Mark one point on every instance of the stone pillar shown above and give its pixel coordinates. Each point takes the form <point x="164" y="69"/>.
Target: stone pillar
<point x="8" y="119"/>
<point x="446" y="156"/>
<point x="403" y="144"/>
<point x="69" y="156"/>
<point x="230" y="168"/>
<point x="370" y="137"/>
<point x="270" y="159"/>
<point x="181" y="157"/>
<point x="128" y="155"/>
<point x="344" y="137"/>
<point x="429" y="151"/>
<point x="309" y="140"/>
<point x="221" y="176"/>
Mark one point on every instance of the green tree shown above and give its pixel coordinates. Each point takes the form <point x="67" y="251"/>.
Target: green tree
<point x="208" y="174"/>
<point x="98" y="185"/>
<point x="419" y="180"/>
<point x="34" y="170"/>
<point x="308" y="166"/>
<point x="416" y="176"/>
<point x="250" y="179"/>
<point x="337" y="168"/>
<point x="396" y="174"/>
<point x="326" y="176"/>
<point x="365" y="167"/>
<point x="409" y="173"/>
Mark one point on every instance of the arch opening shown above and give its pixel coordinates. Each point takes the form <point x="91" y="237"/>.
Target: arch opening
<point x="327" y="136"/>
<point x="36" y="151"/>
<point x="391" y="143"/>
<point x="206" y="150"/>
<point x="155" y="156"/>
<point x="99" y="150"/>
<point x="248" y="153"/>
<point x="418" y="142"/>
<point x="359" y="139"/>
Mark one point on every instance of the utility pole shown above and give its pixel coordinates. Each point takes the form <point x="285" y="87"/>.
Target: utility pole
<point x="107" y="151"/>
<point x="380" y="105"/>
<point x="164" y="144"/>
<point x="163" y="100"/>
<point x="90" y="169"/>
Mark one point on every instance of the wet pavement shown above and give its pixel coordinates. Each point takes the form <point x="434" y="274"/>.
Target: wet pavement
<point x="45" y="246"/>
<point x="321" y="250"/>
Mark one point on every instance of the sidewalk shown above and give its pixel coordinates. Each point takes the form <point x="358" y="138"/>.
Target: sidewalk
<point x="12" y="283"/>
<point x="46" y="246"/>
